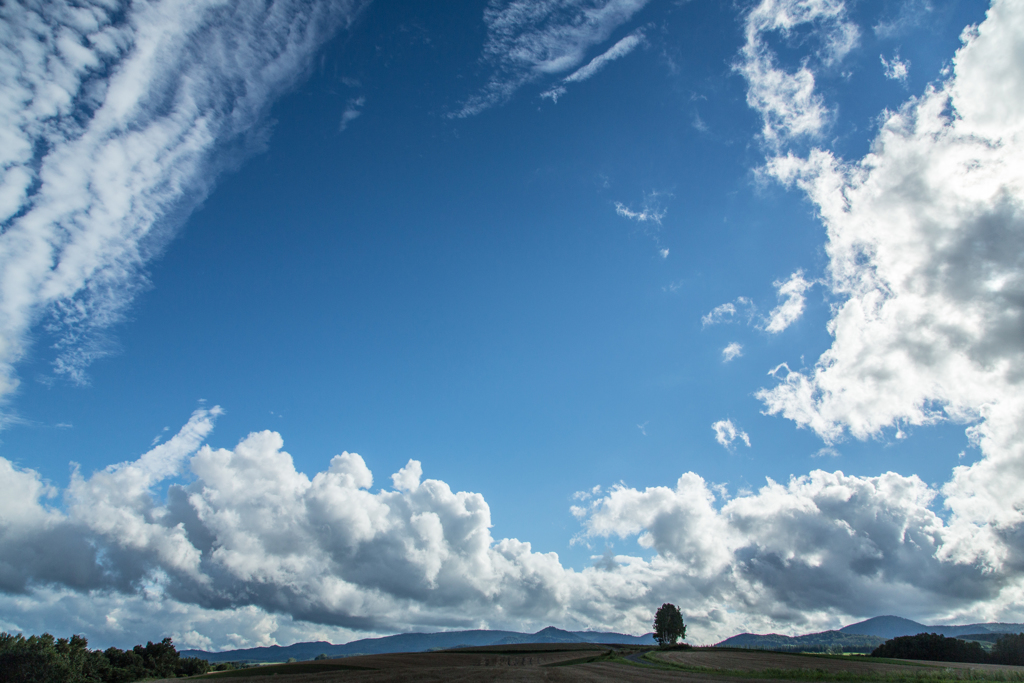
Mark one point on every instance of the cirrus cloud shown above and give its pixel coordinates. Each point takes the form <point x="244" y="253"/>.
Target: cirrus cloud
<point x="113" y="124"/>
<point x="531" y="39"/>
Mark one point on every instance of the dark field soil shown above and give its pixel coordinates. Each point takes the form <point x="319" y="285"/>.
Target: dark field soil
<point x="511" y="664"/>
<point x="759" y="661"/>
<point x="977" y="667"/>
<point x="560" y="663"/>
<point x="536" y="647"/>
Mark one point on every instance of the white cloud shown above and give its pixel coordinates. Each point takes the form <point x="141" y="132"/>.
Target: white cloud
<point x="925" y="250"/>
<point x="616" y="51"/>
<point x="648" y="218"/>
<point x="353" y="110"/>
<point x="698" y="123"/>
<point x="726" y="433"/>
<point x="586" y="495"/>
<point x="113" y="126"/>
<point x="408" y="478"/>
<point x="895" y="69"/>
<point x="789" y="310"/>
<point x="789" y="106"/>
<point x="806" y="552"/>
<point x="908" y="15"/>
<point x="732" y="350"/>
<point x="531" y="39"/>
<point x="250" y="535"/>
<point x="232" y="548"/>
<point x="792" y="307"/>
<point x="726" y="313"/>
<point x="646" y="214"/>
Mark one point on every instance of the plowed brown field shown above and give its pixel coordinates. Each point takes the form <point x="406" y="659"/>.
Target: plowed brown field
<point x="553" y="663"/>
<point x="759" y="661"/>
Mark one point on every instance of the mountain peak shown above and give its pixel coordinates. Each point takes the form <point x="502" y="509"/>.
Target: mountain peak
<point x="549" y="631"/>
<point x="888" y="626"/>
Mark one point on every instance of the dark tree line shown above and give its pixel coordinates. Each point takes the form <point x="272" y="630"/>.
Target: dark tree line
<point x="45" y="659"/>
<point x="1009" y="649"/>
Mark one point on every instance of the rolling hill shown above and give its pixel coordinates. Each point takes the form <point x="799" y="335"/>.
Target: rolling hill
<point x="864" y="636"/>
<point x="414" y="642"/>
<point x="893" y="627"/>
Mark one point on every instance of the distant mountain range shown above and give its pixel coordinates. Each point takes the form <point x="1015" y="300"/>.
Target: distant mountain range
<point x="813" y="642"/>
<point x="866" y="635"/>
<point x="415" y="642"/>
<point x="860" y="637"/>
<point x="893" y="627"/>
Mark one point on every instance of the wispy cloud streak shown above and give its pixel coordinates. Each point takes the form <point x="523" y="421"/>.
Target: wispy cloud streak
<point x="530" y="39"/>
<point x="616" y="51"/>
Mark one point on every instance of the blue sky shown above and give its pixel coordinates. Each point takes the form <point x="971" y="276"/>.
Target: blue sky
<point x="492" y="238"/>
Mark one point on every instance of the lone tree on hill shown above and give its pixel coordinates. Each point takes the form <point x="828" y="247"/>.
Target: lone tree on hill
<point x="668" y="625"/>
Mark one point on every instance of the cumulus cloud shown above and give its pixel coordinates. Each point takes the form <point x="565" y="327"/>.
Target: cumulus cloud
<point x="224" y="548"/>
<point x="616" y="51"/>
<point x="532" y="39"/>
<point x="241" y="532"/>
<point x="732" y="350"/>
<point x="787" y="101"/>
<point x="789" y="311"/>
<point x="726" y="433"/>
<point x="824" y="542"/>
<point x="895" y="69"/>
<point x="924" y="246"/>
<point x="114" y="122"/>
<point x="925" y="253"/>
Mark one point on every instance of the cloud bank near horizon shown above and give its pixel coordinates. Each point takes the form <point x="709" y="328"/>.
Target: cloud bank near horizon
<point x="230" y="548"/>
<point x="115" y="121"/>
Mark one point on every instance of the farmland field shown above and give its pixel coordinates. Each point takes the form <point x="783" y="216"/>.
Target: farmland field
<point x="600" y="664"/>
